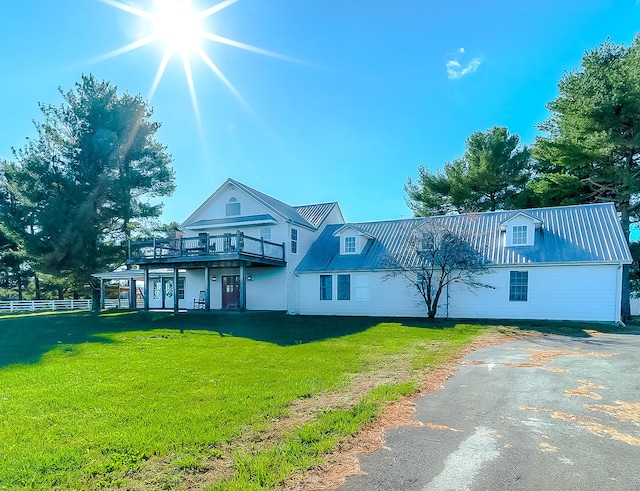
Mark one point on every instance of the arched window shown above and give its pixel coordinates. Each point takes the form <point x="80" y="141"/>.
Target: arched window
<point x="233" y="207"/>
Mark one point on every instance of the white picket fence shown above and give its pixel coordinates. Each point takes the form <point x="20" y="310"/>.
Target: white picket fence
<point x="44" y="305"/>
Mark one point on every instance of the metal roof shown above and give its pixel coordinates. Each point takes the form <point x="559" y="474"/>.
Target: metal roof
<point x="570" y="234"/>
<point x="315" y="214"/>
<point x="232" y="221"/>
<point x="285" y="210"/>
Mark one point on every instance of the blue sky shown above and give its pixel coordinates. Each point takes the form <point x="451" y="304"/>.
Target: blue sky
<point x="377" y="88"/>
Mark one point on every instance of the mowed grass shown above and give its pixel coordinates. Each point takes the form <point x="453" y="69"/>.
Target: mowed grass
<point x="143" y="401"/>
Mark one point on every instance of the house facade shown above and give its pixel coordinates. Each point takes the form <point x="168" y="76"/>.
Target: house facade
<point x="242" y="249"/>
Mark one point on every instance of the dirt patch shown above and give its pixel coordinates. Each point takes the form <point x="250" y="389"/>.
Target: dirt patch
<point x="549" y="356"/>
<point x="584" y="390"/>
<point x="523" y="364"/>
<point x="546" y="447"/>
<point x="624" y="411"/>
<point x="589" y="425"/>
<point x="440" y="427"/>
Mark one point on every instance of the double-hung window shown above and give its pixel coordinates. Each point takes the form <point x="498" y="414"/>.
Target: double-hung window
<point x="326" y="281"/>
<point x="344" y="287"/>
<point x="518" y="286"/>
<point x="294" y="241"/>
<point x="349" y="245"/>
<point x="519" y="235"/>
<point x="265" y="233"/>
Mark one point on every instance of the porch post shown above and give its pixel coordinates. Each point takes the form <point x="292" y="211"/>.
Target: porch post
<point x="243" y="286"/>
<point x="175" y="291"/>
<point x="207" y="289"/>
<point x="132" y="293"/>
<point x="146" y="289"/>
<point x="102" y="294"/>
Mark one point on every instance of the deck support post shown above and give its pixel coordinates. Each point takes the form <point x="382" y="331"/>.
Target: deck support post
<point x="243" y="287"/>
<point x="132" y="293"/>
<point x="176" y="305"/>
<point x="207" y="289"/>
<point x="102" y="294"/>
<point x="146" y="289"/>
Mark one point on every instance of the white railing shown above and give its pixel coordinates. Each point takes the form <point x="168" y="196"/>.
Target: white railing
<point x="43" y="305"/>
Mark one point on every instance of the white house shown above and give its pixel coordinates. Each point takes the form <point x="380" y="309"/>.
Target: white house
<point x="243" y="249"/>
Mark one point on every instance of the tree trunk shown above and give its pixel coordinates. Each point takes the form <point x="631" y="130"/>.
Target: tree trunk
<point x="37" y="282"/>
<point x="20" y="287"/>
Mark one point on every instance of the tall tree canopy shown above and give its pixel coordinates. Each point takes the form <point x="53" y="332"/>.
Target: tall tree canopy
<point x="492" y="174"/>
<point x="75" y="192"/>
<point x="592" y="142"/>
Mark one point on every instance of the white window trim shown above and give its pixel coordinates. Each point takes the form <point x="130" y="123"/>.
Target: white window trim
<point x="355" y="245"/>
<point x="296" y="241"/>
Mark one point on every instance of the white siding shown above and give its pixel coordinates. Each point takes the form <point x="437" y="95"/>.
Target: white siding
<point x="268" y="290"/>
<point x="589" y="293"/>
<point x="393" y="297"/>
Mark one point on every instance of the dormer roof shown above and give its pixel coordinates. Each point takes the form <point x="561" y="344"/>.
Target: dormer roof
<point x="355" y="228"/>
<point x="521" y="214"/>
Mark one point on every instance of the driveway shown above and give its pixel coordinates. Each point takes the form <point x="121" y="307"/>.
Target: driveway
<point x="553" y="413"/>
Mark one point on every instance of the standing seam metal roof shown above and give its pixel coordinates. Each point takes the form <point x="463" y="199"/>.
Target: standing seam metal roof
<point x="571" y="234"/>
<point x="315" y="214"/>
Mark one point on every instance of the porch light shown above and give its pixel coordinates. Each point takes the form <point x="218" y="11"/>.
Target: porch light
<point x="249" y="278"/>
<point x="214" y="278"/>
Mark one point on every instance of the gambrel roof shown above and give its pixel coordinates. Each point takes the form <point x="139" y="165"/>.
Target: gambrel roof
<point x="566" y="235"/>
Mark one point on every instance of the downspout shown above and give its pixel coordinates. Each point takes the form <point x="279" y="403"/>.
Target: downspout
<point x="618" y="306"/>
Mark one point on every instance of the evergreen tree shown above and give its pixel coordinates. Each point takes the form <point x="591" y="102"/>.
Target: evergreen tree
<point x="492" y="174"/>
<point x="75" y="193"/>
<point x="592" y="141"/>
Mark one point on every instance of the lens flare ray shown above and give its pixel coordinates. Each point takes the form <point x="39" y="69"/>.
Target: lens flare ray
<point x="176" y="25"/>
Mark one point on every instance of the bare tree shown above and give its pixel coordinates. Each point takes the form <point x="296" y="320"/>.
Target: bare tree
<point x="436" y="255"/>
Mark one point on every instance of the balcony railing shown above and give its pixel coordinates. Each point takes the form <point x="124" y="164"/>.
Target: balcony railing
<point x="206" y="245"/>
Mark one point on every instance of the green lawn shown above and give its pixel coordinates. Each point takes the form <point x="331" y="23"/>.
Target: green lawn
<point x="145" y="401"/>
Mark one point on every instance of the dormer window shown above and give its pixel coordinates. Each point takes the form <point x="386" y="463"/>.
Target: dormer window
<point x="349" y="245"/>
<point x="521" y="230"/>
<point x="233" y="207"/>
<point x="519" y="235"/>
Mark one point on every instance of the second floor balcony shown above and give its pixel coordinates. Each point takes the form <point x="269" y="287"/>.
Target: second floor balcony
<point x="206" y="248"/>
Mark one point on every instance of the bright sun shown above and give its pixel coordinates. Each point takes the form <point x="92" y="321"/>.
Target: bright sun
<point x="177" y="26"/>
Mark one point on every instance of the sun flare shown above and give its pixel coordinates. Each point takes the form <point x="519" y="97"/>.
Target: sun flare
<point x="179" y="28"/>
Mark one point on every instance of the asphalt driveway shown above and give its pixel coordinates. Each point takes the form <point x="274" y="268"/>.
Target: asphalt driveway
<point x="554" y="413"/>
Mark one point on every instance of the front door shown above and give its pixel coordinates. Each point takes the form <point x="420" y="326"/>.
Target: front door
<point x="168" y="293"/>
<point x="230" y="292"/>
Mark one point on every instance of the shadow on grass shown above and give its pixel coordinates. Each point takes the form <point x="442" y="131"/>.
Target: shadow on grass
<point x="25" y="338"/>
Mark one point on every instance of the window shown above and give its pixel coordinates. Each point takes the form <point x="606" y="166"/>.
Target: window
<point x="180" y="288"/>
<point x="325" y="286"/>
<point x="157" y="289"/>
<point x="344" y="287"/>
<point x="519" y="235"/>
<point x="518" y="286"/>
<point x="349" y="245"/>
<point x="233" y="207"/>
<point x="265" y="233"/>
<point x="294" y="241"/>
<point x="362" y="288"/>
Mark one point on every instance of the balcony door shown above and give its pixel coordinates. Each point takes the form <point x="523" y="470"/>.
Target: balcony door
<point x="230" y="292"/>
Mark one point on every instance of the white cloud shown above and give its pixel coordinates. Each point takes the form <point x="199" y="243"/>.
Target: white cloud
<point x="455" y="70"/>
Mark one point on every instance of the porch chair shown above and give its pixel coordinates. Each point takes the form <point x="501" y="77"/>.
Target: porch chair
<point x="199" y="303"/>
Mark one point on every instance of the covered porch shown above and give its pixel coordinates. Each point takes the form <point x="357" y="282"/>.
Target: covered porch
<point x="219" y="260"/>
